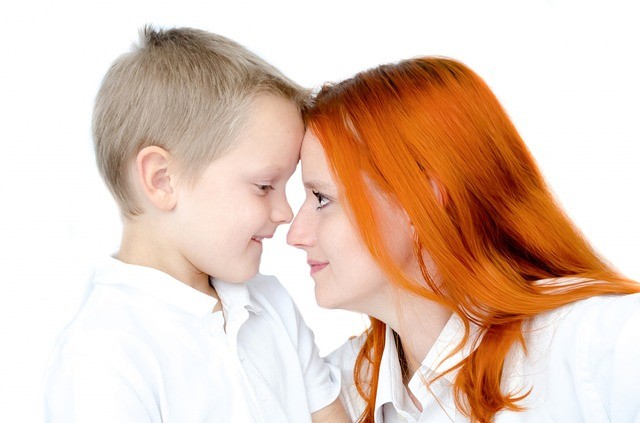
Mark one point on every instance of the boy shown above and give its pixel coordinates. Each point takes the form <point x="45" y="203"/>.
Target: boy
<point x="196" y="138"/>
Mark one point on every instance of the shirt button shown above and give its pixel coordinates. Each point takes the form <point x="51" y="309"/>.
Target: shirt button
<point x="215" y="329"/>
<point x="261" y="395"/>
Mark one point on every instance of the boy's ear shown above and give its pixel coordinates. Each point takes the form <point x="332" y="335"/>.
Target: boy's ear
<point x="155" y="178"/>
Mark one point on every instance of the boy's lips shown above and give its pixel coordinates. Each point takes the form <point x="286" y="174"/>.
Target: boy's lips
<point x="259" y="238"/>
<point x="316" y="265"/>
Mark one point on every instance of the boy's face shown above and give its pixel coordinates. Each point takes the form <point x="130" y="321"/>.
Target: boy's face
<point x="239" y="200"/>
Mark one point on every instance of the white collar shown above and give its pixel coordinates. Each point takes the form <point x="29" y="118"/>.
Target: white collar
<point x="236" y="296"/>
<point x="440" y="359"/>
<point x="155" y="284"/>
<point x="165" y="288"/>
<point x="390" y="385"/>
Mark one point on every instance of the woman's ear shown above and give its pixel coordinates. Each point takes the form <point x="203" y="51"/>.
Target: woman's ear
<point x="440" y="192"/>
<point x="155" y="177"/>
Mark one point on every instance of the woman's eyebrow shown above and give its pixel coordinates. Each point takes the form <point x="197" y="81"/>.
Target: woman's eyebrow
<point x="316" y="185"/>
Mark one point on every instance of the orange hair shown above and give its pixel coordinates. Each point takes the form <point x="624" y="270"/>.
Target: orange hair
<point x="491" y="225"/>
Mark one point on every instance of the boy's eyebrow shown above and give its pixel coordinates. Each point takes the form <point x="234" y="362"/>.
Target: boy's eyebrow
<point x="316" y="185"/>
<point x="270" y="170"/>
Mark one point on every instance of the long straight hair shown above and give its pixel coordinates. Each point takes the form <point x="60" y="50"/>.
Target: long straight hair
<point x="430" y="133"/>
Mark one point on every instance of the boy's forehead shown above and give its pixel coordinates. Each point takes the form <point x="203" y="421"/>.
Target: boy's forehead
<point x="270" y="139"/>
<point x="274" y="171"/>
<point x="271" y="110"/>
<point x="262" y="159"/>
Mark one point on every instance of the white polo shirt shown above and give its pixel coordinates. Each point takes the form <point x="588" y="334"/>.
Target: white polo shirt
<point x="583" y="365"/>
<point x="147" y="348"/>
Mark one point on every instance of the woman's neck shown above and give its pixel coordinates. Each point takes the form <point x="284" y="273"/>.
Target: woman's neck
<point x="418" y="323"/>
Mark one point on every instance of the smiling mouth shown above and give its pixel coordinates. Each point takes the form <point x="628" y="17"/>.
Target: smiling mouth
<point x="259" y="238"/>
<point x="317" y="266"/>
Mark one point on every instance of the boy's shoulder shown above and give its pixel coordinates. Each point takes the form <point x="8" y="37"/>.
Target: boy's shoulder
<point x="106" y="321"/>
<point x="268" y="288"/>
<point x="124" y="306"/>
<point x="270" y="297"/>
<point x="345" y="355"/>
<point x="271" y="305"/>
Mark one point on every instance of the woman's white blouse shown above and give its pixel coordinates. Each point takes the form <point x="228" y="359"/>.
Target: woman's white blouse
<point x="582" y="365"/>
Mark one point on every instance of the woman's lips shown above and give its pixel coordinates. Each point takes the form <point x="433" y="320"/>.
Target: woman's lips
<point x="317" y="266"/>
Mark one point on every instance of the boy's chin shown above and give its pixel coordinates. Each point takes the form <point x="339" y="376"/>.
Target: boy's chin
<point x="240" y="275"/>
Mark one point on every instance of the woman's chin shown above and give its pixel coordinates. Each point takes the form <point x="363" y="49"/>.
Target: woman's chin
<point x="326" y="299"/>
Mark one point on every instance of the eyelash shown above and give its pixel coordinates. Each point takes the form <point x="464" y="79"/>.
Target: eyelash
<point x="265" y="188"/>
<point x="322" y="200"/>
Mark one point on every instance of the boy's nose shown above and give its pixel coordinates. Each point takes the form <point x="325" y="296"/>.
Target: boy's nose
<point x="282" y="212"/>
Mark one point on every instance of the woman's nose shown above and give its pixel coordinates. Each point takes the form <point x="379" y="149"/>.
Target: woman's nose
<point x="299" y="234"/>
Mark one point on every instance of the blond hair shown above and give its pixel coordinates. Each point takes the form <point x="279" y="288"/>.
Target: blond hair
<point x="185" y="90"/>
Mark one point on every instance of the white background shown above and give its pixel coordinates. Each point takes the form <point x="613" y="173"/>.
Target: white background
<point x="567" y="73"/>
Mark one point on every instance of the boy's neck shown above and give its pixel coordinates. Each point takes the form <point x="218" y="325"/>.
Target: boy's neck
<point x="139" y="246"/>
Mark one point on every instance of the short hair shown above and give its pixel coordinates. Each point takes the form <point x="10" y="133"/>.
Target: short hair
<point x="182" y="89"/>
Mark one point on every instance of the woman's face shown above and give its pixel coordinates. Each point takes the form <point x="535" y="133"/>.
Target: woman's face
<point x="346" y="275"/>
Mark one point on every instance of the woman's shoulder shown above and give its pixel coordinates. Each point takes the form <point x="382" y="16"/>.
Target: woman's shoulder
<point x="594" y="325"/>
<point x="606" y="315"/>
<point x="591" y="348"/>
<point x="607" y="327"/>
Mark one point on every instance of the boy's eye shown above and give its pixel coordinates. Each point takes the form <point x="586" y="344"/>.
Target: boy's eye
<point x="265" y="188"/>
<point x="322" y="200"/>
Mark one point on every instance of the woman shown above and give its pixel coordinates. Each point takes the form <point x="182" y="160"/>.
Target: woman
<point x="426" y="211"/>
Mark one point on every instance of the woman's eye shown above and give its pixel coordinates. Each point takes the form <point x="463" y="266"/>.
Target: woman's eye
<point x="322" y="200"/>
